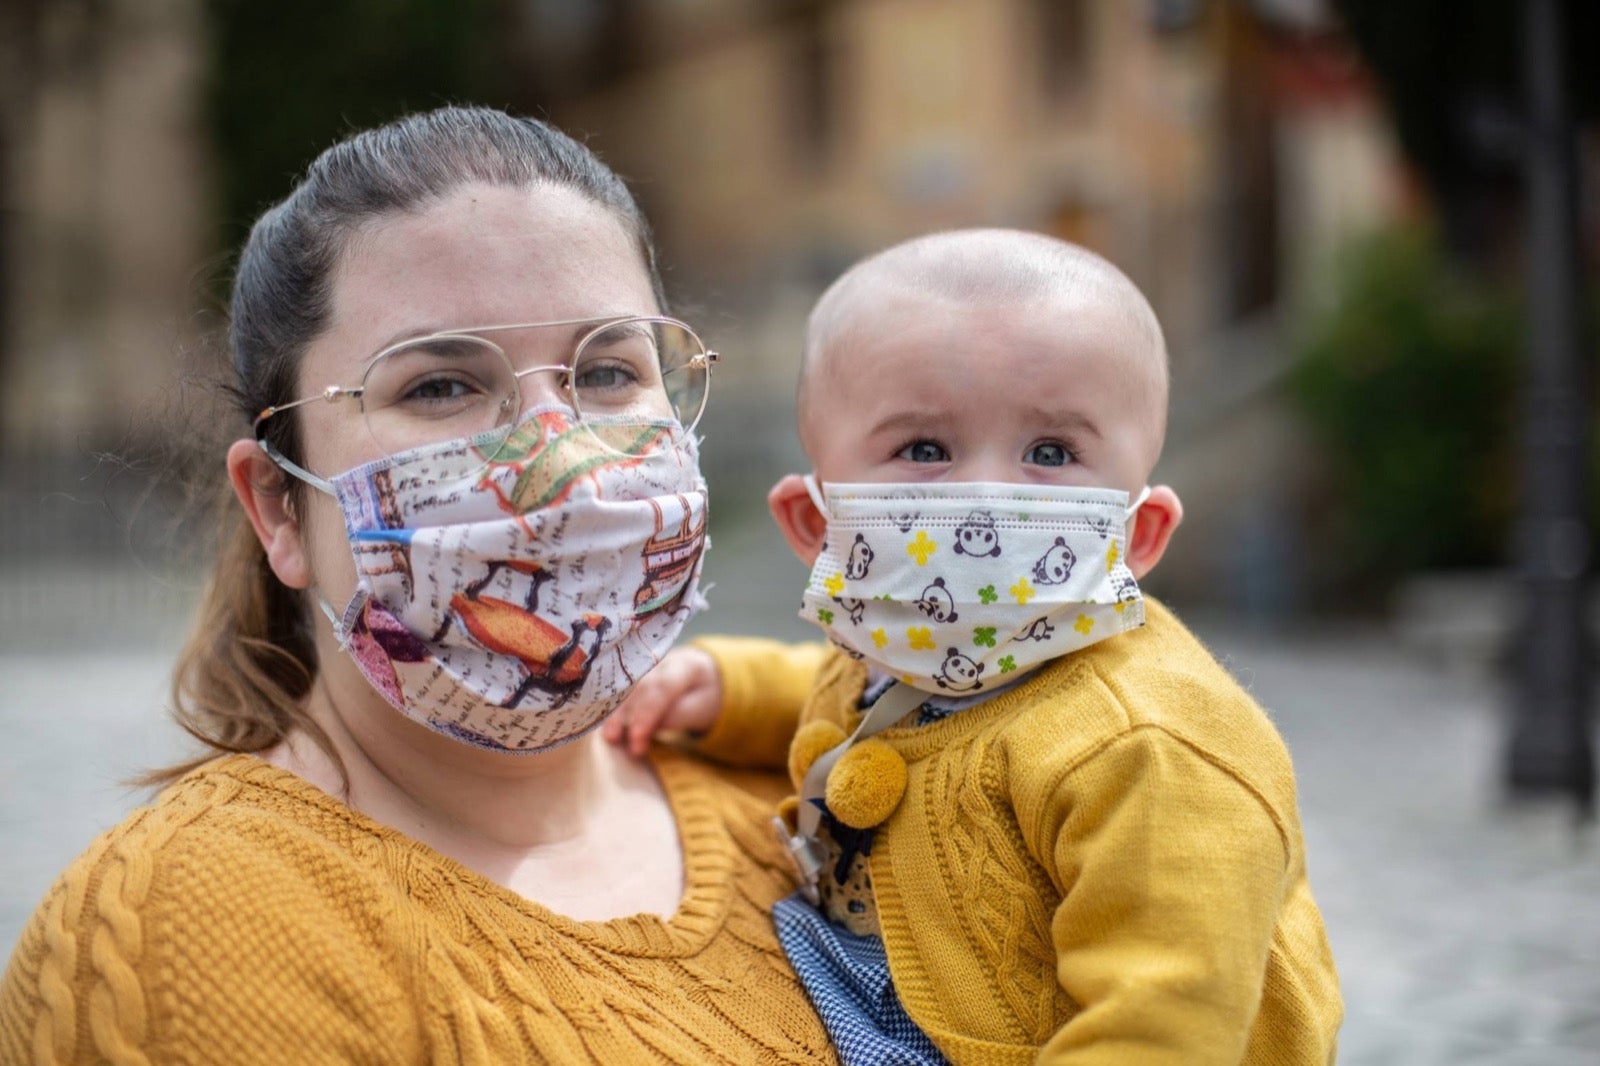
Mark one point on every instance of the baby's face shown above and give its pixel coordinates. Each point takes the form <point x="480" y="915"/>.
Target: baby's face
<point x="1055" y="392"/>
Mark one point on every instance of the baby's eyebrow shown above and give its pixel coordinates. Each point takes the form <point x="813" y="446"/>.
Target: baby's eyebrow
<point x="912" y="420"/>
<point x="1074" y="421"/>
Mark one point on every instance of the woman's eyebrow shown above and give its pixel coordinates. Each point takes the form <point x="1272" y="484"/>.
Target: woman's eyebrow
<point x="613" y="336"/>
<point x="579" y="329"/>
<point x="410" y="333"/>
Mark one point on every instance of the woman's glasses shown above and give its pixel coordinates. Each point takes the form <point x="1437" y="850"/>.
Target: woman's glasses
<point x="460" y="384"/>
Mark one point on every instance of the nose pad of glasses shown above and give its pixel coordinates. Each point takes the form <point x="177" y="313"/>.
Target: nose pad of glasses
<point x="538" y="390"/>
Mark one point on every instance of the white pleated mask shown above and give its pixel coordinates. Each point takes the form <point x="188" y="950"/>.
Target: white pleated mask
<point x="957" y="588"/>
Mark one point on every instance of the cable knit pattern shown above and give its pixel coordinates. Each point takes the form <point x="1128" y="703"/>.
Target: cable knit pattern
<point x="247" y="917"/>
<point x="1101" y="865"/>
<point x="1006" y="892"/>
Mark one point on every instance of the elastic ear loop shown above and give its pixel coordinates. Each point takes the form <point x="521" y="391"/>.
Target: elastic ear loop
<point x="343" y="626"/>
<point x="1138" y="502"/>
<point x="815" y="492"/>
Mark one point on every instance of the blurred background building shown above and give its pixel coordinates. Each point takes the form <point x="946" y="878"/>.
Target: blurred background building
<point x="1221" y="153"/>
<point x="1325" y="203"/>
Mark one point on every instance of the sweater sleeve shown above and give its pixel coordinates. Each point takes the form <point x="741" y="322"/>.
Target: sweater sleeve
<point x="765" y="683"/>
<point x="1172" y="872"/>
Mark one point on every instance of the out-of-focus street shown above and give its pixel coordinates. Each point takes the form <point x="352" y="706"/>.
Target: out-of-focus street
<point x="1465" y="933"/>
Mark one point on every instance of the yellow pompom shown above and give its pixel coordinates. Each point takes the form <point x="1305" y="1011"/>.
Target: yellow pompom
<point x="865" y="786"/>
<point x="810" y="741"/>
<point x="789" y="811"/>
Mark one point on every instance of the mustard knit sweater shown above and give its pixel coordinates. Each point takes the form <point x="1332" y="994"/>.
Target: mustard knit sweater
<point x="247" y="917"/>
<point x="1102" y="865"/>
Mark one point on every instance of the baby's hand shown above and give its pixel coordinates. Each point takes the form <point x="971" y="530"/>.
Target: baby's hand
<point x="683" y="692"/>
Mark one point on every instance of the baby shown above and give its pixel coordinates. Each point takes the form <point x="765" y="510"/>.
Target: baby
<point x="1036" y="819"/>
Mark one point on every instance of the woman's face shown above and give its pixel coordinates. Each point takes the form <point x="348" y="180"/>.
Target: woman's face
<point x="483" y="255"/>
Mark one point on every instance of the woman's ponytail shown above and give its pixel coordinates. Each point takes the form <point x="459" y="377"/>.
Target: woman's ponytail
<point x="240" y="681"/>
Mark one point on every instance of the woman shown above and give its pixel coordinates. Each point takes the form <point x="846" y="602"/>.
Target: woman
<point x="475" y="517"/>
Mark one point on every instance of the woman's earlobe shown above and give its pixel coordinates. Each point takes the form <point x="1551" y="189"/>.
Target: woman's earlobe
<point x="802" y="525"/>
<point x="1153" y="526"/>
<point x="262" y="491"/>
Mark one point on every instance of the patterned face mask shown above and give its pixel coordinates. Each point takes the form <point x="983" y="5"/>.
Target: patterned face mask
<point x="512" y="604"/>
<point x="957" y="589"/>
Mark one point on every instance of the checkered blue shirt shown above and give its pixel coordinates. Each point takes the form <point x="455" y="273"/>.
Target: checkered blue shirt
<point x="847" y="978"/>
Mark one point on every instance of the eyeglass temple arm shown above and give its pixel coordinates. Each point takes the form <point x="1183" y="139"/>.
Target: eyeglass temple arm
<point x="283" y="462"/>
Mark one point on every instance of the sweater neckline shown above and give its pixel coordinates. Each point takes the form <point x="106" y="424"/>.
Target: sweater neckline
<point x="704" y="841"/>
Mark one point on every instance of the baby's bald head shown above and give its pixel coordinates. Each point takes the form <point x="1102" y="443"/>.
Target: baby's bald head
<point x="988" y="268"/>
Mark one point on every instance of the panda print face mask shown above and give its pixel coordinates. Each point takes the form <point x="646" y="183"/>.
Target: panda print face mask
<point x="959" y="588"/>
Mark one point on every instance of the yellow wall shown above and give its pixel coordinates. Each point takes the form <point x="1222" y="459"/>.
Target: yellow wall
<point x="939" y="119"/>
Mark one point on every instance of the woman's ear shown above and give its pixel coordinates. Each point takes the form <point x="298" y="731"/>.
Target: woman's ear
<point x="263" y="490"/>
<point x="802" y="525"/>
<point x="1153" y="526"/>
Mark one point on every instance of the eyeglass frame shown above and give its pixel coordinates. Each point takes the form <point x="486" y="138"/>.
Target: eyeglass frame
<point x="705" y="360"/>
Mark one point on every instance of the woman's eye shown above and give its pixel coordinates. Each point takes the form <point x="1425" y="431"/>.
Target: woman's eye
<point x="434" y="389"/>
<point x="923" y="451"/>
<point x="606" y="376"/>
<point x="1048" y="453"/>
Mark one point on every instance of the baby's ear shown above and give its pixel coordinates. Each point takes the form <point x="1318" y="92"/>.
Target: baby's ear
<point x="1153" y="527"/>
<point x="801" y="524"/>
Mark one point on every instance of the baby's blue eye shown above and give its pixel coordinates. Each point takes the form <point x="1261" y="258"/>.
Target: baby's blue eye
<point x="923" y="451"/>
<point x="1048" y="453"/>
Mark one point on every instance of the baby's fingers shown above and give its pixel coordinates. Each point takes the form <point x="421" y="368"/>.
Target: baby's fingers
<point x="683" y="693"/>
<point x="645" y="717"/>
<point x="613" y="726"/>
<point x="639" y="716"/>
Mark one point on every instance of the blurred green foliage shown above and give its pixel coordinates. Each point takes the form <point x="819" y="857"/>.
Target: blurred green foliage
<point x="291" y="77"/>
<point x="1409" y="380"/>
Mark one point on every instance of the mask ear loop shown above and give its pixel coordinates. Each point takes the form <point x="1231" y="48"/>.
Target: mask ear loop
<point x="1138" y="502"/>
<point x="815" y="492"/>
<point x="343" y="626"/>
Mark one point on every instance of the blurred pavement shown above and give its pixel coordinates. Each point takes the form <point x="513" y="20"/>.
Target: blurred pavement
<point x="1466" y="933"/>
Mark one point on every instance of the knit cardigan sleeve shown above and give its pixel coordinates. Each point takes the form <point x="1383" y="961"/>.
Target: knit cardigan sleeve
<point x="764" y="685"/>
<point x="1173" y="872"/>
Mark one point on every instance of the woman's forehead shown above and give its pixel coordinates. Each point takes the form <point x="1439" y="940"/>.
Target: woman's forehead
<point x="486" y="255"/>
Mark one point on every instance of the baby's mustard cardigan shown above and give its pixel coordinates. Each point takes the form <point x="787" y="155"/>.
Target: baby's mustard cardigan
<point x="1102" y="865"/>
<point x="247" y="917"/>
